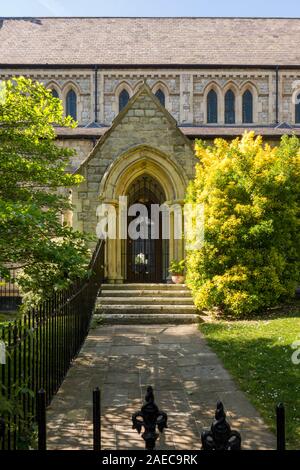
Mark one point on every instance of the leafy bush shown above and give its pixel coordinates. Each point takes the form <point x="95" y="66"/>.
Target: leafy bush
<point x="250" y="257"/>
<point x="177" y="267"/>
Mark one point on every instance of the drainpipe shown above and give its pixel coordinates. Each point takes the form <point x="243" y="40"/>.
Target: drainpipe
<point x="96" y="93"/>
<point x="277" y="94"/>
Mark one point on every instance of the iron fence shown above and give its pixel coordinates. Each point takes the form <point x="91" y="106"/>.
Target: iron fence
<point x="151" y="419"/>
<point x="39" y="349"/>
<point x="10" y="297"/>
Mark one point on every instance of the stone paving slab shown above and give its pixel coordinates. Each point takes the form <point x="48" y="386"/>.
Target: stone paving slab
<point x="187" y="377"/>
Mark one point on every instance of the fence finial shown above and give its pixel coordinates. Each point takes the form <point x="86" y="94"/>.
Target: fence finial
<point x="149" y="418"/>
<point x="220" y="436"/>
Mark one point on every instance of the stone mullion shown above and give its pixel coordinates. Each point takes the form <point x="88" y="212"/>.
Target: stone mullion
<point x="114" y="252"/>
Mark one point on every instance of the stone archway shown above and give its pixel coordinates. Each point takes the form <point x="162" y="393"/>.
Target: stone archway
<point x="116" y="182"/>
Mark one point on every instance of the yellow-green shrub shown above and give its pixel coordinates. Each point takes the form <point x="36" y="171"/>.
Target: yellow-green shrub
<point x="250" y="258"/>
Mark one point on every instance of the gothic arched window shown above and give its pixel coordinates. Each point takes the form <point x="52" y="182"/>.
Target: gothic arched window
<point x="212" y="107"/>
<point x="247" y="107"/>
<point x="123" y="99"/>
<point x="71" y="104"/>
<point x="297" y="110"/>
<point x="161" y="97"/>
<point x="54" y="93"/>
<point x="229" y="107"/>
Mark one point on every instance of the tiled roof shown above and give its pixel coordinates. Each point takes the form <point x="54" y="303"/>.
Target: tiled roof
<point x="150" y="41"/>
<point x="203" y="132"/>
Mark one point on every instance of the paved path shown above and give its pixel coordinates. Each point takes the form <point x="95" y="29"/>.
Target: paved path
<point x="187" y="377"/>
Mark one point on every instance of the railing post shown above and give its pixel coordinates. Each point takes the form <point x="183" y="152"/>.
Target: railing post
<point x="220" y="437"/>
<point x="96" y="420"/>
<point x="149" y="418"/>
<point x="280" y="424"/>
<point x="41" y="419"/>
<point x="2" y="431"/>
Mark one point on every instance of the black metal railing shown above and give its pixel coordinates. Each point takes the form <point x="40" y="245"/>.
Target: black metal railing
<point x="220" y="436"/>
<point x="39" y="349"/>
<point x="150" y="419"/>
<point x="10" y="297"/>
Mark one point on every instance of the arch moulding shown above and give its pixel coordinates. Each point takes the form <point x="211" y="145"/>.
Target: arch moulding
<point x="143" y="160"/>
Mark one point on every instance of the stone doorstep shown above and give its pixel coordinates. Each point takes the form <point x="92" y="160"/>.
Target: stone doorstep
<point x="145" y="293"/>
<point x="147" y="300"/>
<point x="143" y="286"/>
<point x="144" y="309"/>
<point x="145" y="304"/>
<point x="146" y="319"/>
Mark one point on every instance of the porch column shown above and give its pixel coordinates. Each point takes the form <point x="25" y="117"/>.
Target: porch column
<point x="176" y="244"/>
<point x="114" y="252"/>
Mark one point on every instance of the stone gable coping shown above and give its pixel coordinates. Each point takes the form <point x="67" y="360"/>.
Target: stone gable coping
<point x="144" y="89"/>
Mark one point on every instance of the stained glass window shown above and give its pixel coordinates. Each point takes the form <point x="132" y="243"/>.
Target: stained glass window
<point x="229" y="107"/>
<point x="54" y="93"/>
<point x="123" y="99"/>
<point x="212" y="107"/>
<point x="297" y="110"/>
<point x="247" y="107"/>
<point x="161" y="96"/>
<point x="71" y="104"/>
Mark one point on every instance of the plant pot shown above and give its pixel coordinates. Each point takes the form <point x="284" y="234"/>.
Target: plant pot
<point x="178" y="278"/>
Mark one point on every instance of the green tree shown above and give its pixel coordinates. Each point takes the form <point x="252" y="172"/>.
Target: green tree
<point x="33" y="178"/>
<point x="250" y="258"/>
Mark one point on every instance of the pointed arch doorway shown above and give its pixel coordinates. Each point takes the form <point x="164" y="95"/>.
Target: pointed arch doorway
<point x="165" y="182"/>
<point x="146" y="253"/>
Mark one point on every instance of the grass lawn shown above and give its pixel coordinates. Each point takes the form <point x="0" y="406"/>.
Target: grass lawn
<point x="258" y="355"/>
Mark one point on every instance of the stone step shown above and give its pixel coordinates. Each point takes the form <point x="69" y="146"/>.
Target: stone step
<point x="140" y="286"/>
<point x="145" y="303"/>
<point x="145" y="293"/>
<point x="139" y="300"/>
<point x="145" y="309"/>
<point x="147" y="319"/>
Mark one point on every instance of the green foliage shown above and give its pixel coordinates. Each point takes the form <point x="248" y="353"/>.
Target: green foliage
<point x="258" y="354"/>
<point x="25" y="427"/>
<point x="250" y="258"/>
<point x="177" y="267"/>
<point x="33" y="195"/>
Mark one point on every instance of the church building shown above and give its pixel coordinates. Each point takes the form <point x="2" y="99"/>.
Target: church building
<point x="142" y="90"/>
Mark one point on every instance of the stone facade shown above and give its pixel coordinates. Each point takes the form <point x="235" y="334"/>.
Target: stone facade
<point x="115" y="148"/>
<point x="180" y="57"/>
<point x="185" y="91"/>
<point x="62" y="81"/>
<point x="82" y="148"/>
<point x="144" y="139"/>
